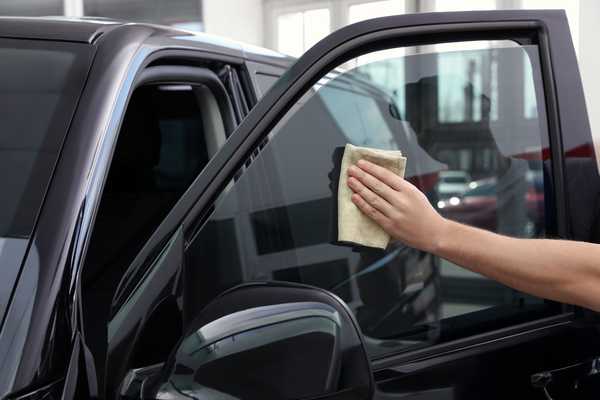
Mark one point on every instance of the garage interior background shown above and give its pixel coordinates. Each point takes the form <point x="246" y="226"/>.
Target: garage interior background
<point x="292" y="26"/>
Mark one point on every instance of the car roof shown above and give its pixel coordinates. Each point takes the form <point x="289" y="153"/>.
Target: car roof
<point x="84" y="30"/>
<point x="91" y="29"/>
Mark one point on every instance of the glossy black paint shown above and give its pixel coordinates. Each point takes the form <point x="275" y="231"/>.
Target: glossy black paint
<point x="44" y="316"/>
<point x="59" y="29"/>
<point x="304" y="336"/>
<point x="43" y="332"/>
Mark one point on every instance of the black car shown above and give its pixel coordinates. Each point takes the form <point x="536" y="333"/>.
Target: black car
<point x="167" y="221"/>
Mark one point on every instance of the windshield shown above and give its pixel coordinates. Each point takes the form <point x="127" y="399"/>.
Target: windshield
<point x="40" y="83"/>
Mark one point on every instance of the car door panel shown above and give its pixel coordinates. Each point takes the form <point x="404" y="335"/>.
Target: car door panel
<point x="496" y="363"/>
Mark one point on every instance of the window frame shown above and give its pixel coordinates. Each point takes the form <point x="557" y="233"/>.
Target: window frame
<point x="253" y="257"/>
<point x="165" y="66"/>
<point x="155" y="75"/>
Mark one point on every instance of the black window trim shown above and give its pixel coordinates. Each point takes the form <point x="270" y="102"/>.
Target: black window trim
<point x="526" y="31"/>
<point x="171" y="58"/>
<point x="419" y="359"/>
<point x="231" y="81"/>
<point x="197" y="204"/>
<point x="247" y="86"/>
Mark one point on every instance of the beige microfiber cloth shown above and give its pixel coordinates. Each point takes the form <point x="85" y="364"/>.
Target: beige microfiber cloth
<point x="353" y="225"/>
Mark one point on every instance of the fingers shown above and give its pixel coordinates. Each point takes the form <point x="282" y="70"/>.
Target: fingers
<point x="378" y="187"/>
<point x="384" y="175"/>
<point x="370" y="197"/>
<point x="370" y="211"/>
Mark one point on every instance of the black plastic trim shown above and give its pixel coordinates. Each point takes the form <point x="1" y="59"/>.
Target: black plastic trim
<point x="554" y="132"/>
<point x="476" y="344"/>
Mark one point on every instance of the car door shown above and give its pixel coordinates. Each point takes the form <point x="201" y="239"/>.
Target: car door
<point x="494" y="95"/>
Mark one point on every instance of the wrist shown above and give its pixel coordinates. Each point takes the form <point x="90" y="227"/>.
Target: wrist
<point x="441" y="237"/>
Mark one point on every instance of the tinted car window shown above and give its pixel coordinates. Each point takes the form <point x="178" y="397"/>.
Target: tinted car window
<point x="40" y="82"/>
<point x="458" y="108"/>
<point x="168" y="134"/>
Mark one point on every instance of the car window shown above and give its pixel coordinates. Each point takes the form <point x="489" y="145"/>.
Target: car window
<point x="456" y="111"/>
<point x="40" y="83"/>
<point x="168" y="135"/>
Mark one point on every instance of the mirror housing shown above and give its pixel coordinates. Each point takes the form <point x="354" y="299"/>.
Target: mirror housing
<point x="263" y="341"/>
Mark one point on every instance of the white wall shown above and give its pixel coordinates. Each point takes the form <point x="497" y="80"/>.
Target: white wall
<point x="235" y="19"/>
<point x="73" y="8"/>
<point x="589" y="62"/>
<point x="243" y="20"/>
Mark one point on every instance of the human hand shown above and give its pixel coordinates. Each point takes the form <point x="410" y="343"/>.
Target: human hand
<point x="396" y="205"/>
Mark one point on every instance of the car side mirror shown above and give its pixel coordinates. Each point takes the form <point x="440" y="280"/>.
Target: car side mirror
<point x="263" y="341"/>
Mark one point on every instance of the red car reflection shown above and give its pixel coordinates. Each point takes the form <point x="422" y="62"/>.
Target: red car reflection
<point x="478" y="206"/>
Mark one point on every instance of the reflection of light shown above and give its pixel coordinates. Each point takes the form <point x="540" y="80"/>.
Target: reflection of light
<point x="454" y="201"/>
<point x="473" y="185"/>
<point x="441" y="204"/>
<point x="174" y="88"/>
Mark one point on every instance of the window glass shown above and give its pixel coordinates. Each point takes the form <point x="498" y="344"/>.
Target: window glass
<point x="277" y="219"/>
<point x="40" y="83"/>
<point x="461" y="89"/>
<point x="168" y="134"/>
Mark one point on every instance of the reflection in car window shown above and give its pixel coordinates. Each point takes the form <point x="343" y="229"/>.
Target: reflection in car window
<point x="40" y="83"/>
<point x="482" y="162"/>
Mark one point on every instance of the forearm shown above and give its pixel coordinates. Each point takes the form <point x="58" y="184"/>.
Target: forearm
<point x="559" y="270"/>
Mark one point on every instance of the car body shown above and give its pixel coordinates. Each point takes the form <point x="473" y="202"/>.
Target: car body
<point x="180" y="166"/>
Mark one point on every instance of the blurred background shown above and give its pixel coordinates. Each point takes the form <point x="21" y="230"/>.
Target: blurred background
<point x="293" y="26"/>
